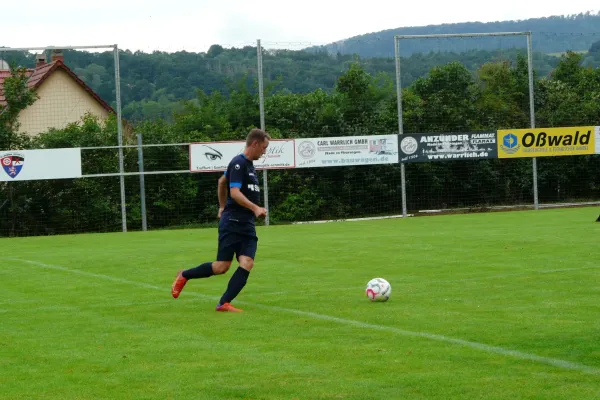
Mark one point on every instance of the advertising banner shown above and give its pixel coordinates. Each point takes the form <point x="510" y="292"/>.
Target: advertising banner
<point x="215" y="156"/>
<point x="25" y="165"/>
<point x="346" y="151"/>
<point x="427" y="147"/>
<point x="546" y="142"/>
<point x="597" y="135"/>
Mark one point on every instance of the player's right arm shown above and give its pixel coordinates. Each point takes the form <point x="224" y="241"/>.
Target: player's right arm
<point x="222" y="193"/>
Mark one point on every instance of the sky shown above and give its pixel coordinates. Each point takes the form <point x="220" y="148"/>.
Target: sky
<point x="174" y="25"/>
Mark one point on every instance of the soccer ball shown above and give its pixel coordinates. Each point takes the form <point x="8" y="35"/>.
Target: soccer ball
<point x="378" y="289"/>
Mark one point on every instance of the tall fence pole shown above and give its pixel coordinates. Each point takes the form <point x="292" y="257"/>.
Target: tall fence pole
<point x="261" y="102"/>
<point x="120" y="137"/>
<point x="400" y="124"/>
<point x="536" y="202"/>
<point x="142" y="182"/>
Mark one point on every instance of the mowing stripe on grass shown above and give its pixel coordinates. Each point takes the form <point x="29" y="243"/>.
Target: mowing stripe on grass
<point x="86" y="307"/>
<point x="440" y="338"/>
<point x="501" y="276"/>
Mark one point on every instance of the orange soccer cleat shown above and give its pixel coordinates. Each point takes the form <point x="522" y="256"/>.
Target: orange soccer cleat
<point x="178" y="284"/>
<point x="226" y="307"/>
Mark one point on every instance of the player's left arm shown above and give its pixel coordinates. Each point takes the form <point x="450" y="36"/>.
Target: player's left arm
<point x="237" y="180"/>
<point x="238" y="196"/>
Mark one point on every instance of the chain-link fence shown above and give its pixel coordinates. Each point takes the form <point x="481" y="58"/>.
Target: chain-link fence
<point x="137" y="174"/>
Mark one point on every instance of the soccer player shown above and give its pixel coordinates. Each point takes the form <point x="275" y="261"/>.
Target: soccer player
<point x="239" y="196"/>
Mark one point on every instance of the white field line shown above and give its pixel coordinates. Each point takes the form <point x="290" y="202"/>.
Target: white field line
<point x="568" y="365"/>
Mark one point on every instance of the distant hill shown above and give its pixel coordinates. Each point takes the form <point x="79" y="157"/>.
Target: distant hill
<point x="554" y="34"/>
<point x="154" y="84"/>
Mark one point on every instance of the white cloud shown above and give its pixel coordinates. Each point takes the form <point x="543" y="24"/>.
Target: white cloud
<point x="195" y="25"/>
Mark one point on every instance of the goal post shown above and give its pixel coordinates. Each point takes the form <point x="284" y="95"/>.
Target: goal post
<point x="401" y="129"/>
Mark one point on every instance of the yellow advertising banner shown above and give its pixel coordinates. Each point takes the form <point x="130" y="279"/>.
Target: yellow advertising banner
<point x="546" y="142"/>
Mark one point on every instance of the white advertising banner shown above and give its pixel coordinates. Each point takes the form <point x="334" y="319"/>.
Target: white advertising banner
<point x="215" y="156"/>
<point x="25" y="165"/>
<point x="346" y="150"/>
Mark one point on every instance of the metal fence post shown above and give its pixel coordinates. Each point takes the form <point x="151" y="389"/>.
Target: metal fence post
<point x="536" y="202"/>
<point x="142" y="182"/>
<point x="400" y="124"/>
<point x="261" y="102"/>
<point x="120" y="137"/>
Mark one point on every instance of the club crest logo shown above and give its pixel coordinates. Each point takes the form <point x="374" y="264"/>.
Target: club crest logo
<point x="307" y="150"/>
<point x="409" y="145"/>
<point x="510" y="143"/>
<point x="12" y="163"/>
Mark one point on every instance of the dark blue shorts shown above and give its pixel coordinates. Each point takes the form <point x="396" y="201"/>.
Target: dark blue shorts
<point x="233" y="239"/>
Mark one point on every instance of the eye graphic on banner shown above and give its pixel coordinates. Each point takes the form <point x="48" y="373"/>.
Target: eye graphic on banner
<point x="212" y="154"/>
<point x="215" y="156"/>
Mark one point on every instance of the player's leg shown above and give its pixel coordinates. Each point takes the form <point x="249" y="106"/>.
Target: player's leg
<point x="227" y="248"/>
<point x="239" y="278"/>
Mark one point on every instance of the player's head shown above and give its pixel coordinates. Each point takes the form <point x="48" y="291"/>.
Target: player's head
<point x="257" y="142"/>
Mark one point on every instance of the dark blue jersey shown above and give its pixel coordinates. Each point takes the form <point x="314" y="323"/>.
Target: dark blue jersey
<point x="241" y="174"/>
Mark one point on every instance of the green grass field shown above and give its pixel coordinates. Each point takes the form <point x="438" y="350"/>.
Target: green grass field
<point x="484" y="306"/>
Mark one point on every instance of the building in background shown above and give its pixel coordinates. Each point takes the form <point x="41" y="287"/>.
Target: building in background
<point x="63" y="98"/>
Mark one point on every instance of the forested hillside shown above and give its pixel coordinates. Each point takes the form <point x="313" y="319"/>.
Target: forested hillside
<point x="554" y="34"/>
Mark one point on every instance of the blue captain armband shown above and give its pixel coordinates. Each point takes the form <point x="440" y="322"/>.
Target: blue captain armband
<point x="235" y="185"/>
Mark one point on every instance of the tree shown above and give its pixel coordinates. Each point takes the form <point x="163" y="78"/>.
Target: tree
<point x="356" y="85"/>
<point x="449" y="95"/>
<point x="569" y="68"/>
<point x="504" y="97"/>
<point x="18" y="97"/>
<point x="214" y="50"/>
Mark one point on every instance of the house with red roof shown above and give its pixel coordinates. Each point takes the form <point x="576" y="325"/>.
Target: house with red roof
<point x="63" y="98"/>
